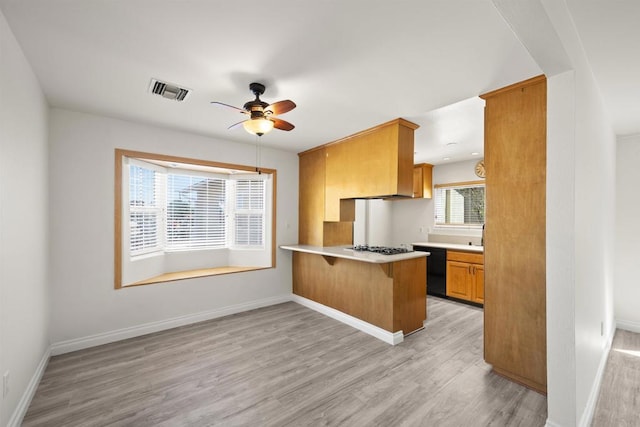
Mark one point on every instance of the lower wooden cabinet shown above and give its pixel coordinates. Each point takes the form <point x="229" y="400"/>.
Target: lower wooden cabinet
<point x="465" y="276"/>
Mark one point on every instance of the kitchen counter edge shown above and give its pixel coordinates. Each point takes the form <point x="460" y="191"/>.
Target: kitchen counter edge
<point x="346" y="253"/>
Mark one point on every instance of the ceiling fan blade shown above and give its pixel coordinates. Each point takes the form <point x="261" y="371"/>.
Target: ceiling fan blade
<point x="281" y="124"/>
<point x="236" y="125"/>
<point x="230" y="106"/>
<point x="280" y="107"/>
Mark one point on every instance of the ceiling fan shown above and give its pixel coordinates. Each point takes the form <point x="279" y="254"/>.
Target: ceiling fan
<point x="262" y="115"/>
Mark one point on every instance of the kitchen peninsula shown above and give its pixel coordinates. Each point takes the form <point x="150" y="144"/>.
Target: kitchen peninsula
<point x="383" y="295"/>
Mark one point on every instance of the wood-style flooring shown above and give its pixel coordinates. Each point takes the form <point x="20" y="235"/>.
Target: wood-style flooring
<point x="619" y="400"/>
<point x="286" y="365"/>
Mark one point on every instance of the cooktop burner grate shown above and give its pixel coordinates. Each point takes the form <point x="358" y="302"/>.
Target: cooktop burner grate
<point x="384" y="250"/>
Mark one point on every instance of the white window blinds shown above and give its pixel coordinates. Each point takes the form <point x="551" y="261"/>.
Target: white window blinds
<point x="459" y="204"/>
<point x="195" y="212"/>
<point x="145" y="210"/>
<point x="249" y="213"/>
<point x="173" y="209"/>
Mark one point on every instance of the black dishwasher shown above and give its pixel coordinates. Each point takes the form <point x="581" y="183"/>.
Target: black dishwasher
<point x="436" y="270"/>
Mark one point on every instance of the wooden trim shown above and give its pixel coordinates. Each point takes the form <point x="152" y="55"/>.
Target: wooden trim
<point x="459" y="184"/>
<point x="529" y="82"/>
<point x="274" y="210"/>
<point x="398" y="121"/>
<point x="120" y="154"/>
<point x="176" y="159"/>
<point x="117" y="215"/>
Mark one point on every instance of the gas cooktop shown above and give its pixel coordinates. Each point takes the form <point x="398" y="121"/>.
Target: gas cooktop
<point x="384" y="250"/>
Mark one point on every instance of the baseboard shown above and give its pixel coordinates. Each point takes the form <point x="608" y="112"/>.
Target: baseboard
<point x="392" y="338"/>
<point x="148" y="328"/>
<point x="589" y="410"/>
<point x="628" y="325"/>
<point x="27" y="396"/>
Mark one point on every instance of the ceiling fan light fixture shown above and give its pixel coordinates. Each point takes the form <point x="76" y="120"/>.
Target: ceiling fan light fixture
<point x="258" y="126"/>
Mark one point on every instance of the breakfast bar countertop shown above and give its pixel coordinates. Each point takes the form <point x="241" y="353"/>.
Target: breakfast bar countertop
<point x="348" y="253"/>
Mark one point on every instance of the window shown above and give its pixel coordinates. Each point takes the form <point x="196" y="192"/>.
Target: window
<point x="460" y="204"/>
<point x="249" y="212"/>
<point x="195" y="212"/>
<point x="184" y="215"/>
<point x="145" y="210"/>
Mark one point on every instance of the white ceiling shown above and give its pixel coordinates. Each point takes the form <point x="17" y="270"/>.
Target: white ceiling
<point x="348" y="65"/>
<point x="610" y="34"/>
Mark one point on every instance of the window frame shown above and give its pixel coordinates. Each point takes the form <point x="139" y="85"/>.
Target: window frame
<point x="120" y="154"/>
<point x="453" y="185"/>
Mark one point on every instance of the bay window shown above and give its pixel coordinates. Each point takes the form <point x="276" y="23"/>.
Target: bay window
<point x="188" y="218"/>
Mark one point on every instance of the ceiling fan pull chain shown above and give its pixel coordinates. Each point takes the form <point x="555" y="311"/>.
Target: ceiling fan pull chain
<point x="258" y="155"/>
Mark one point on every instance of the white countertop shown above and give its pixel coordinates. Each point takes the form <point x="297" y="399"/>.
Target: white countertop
<point x="453" y="246"/>
<point x="345" y="252"/>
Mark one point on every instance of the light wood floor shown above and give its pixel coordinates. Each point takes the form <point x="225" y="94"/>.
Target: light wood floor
<point x="287" y="365"/>
<point x="619" y="400"/>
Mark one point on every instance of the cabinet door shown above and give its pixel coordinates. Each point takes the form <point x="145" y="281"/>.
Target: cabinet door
<point x="458" y="279"/>
<point x="478" y="284"/>
<point x="311" y="197"/>
<point x="417" y="182"/>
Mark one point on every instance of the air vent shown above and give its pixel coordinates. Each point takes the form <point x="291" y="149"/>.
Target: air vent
<point x="168" y="90"/>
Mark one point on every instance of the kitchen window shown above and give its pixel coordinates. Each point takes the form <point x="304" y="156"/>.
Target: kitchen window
<point x="460" y="204"/>
<point x="186" y="218"/>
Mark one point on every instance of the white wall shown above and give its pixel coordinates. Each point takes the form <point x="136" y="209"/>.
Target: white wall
<point x="86" y="308"/>
<point x="560" y="234"/>
<point x="595" y="218"/>
<point x="24" y="290"/>
<point x="627" y="253"/>
<point x="580" y="140"/>
<point x="455" y="172"/>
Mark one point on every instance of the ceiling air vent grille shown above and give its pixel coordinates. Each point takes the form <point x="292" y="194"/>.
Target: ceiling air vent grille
<point x="168" y="90"/>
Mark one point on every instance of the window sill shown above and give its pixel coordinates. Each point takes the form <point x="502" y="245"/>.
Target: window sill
<point x="192" y="274"/>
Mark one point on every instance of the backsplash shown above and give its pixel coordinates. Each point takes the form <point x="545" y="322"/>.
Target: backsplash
<point x="460" y="239"/>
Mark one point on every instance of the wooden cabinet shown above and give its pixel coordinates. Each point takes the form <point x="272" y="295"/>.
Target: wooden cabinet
<point x="311" y="197"/>
<point x="422" y="181"/>
<point x="514" y="244"/>
<point x="390" y="295"/>
<point x="312" y="229"/>
<point x="465" y="276"/>
<point x="376" y="162"/>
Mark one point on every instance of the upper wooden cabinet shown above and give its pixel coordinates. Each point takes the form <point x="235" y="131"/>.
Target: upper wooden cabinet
<point x="514" y="244"/>
<point x="376" y="162"/>
<point x="312" y="229"/>
<point x="422" y="181"/>
<point x="311" y="197"/>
